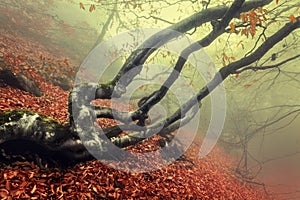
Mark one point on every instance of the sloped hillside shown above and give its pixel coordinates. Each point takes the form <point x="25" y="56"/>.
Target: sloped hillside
<point x="209" y="178"/>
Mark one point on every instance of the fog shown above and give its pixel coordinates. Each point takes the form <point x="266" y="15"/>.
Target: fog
<point x="262" y="125"/>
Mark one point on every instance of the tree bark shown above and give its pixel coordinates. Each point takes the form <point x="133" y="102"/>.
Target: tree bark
<point x="19" y="81"/>
<point x="25" y="135"/>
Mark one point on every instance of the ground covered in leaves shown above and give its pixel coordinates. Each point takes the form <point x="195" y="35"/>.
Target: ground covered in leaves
<point x="212" y="177"/>
<point x="208" y="178"/>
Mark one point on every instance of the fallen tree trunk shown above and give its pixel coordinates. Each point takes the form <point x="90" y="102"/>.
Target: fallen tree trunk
<point x="20" y="81"/>
<point x="26" y="135"/>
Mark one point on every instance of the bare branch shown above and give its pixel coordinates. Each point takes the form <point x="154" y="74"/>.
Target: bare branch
<point x="138" y="57"/>
<point x="256" y="68"/>
<point x="216" y="32"/>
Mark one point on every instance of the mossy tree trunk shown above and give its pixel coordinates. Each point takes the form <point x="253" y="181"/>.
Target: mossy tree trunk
<point x="29" y="136"/>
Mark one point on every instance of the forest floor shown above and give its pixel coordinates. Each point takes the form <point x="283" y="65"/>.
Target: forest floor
<point x="212" y="177"/>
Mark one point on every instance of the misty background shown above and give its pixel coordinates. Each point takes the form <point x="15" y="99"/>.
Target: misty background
<point x="262" y="124"/>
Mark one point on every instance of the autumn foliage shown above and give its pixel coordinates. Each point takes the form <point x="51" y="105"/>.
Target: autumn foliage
<point x="212" y="177"/>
